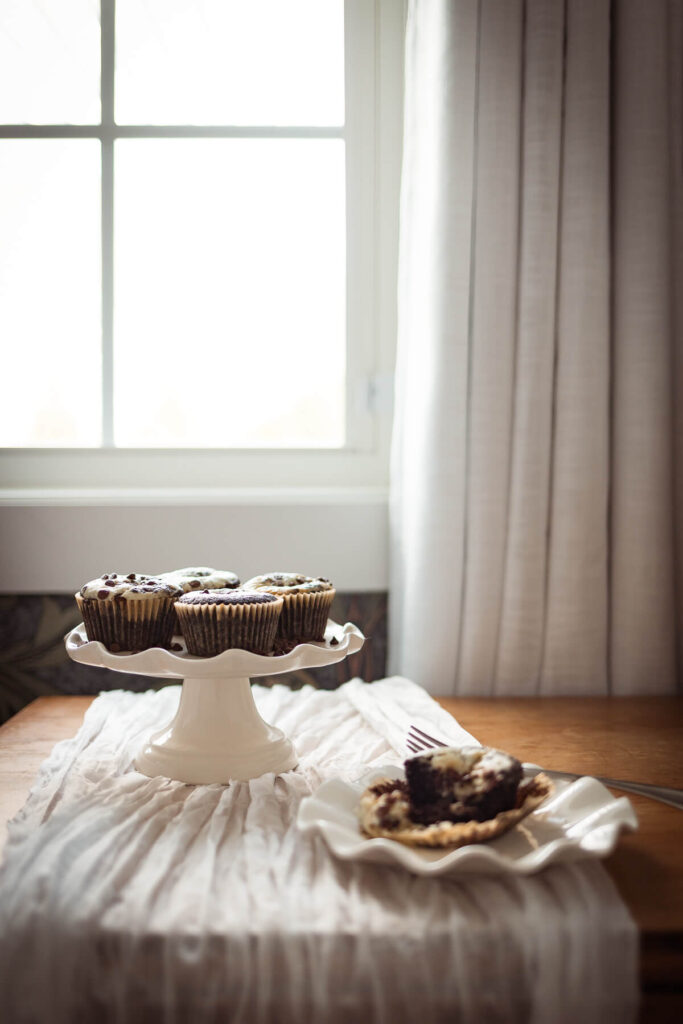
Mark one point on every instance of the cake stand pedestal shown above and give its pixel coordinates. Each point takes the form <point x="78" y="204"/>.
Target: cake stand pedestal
<point x="217" y="733"/>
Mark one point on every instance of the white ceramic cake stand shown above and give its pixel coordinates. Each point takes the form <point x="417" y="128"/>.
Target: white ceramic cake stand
<point x="217" y="733"/>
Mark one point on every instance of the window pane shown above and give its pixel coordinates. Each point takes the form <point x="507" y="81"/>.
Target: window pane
<point x="229" y="292"/>
<point x="50" y="307"/>
<point x="261" y="62"/>
<point x="49" y="62"/>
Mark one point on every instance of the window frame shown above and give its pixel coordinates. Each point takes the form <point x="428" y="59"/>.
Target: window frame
<point x="52" y="482"/>
<point x="373" y="34"/>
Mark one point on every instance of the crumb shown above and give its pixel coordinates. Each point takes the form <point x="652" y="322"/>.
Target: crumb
<point x="283" y="646"/>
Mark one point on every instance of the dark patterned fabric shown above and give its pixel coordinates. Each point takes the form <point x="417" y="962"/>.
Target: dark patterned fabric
<point x="33" y="661"/>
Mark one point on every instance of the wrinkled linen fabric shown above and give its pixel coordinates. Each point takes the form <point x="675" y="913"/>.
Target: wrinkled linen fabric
<point x="124" y="898"/>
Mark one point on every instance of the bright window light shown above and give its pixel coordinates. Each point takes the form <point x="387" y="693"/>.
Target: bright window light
<point x="173" y="251"/>
<point x="50" y="309"/>
<point x="49" y="62"/>
<point x="229" y="326"/>
<point x="242" y="62"/>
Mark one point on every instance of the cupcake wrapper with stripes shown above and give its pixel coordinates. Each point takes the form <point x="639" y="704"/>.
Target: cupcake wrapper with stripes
<point x="129" y="625"/>
<point x="304" y="616"/>
<point x="209" y="629"/>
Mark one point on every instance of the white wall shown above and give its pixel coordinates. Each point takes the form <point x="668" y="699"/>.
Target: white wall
<point x="55" y="548"/>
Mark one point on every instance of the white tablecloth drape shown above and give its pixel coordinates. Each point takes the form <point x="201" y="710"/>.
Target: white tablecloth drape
<point x="124" y="898"/>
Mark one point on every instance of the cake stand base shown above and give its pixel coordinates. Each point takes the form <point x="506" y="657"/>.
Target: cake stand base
<point x="217" y="735"/>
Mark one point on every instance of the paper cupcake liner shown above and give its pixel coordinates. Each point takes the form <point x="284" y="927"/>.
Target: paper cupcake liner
<point x="209" y="629"/>
<point x="454" y="834"/>
<point x="129" y="625"/>
<point x="304" y="616"/>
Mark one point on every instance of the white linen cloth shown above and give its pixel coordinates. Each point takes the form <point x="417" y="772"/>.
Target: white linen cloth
<point x="124" y="898"/>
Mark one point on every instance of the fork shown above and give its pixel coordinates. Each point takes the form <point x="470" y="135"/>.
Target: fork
<point x="418" y="740"/>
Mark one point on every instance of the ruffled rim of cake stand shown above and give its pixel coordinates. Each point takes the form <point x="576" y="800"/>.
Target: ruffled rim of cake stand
<point x="339" y="642"/>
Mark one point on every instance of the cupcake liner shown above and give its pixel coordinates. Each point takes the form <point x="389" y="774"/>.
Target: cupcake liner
<point x="209" y="629"/>
<point x="222" y="579"/>
<point x="304" y="616"/>
<point x="127" y="625"/>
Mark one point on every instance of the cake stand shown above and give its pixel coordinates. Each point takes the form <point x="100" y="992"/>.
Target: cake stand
<point x="217" y="733"/>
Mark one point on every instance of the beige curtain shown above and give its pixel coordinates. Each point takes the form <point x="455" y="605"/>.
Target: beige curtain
<point x="537" y="466"/>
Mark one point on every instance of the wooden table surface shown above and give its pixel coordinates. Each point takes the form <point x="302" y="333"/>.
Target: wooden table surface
<point x="639" y="738"/>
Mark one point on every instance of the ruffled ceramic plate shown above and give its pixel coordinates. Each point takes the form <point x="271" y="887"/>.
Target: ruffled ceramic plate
<point x="580" y="820"/>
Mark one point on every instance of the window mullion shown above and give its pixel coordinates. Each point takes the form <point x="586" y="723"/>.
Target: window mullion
<point x="108" y="15"/>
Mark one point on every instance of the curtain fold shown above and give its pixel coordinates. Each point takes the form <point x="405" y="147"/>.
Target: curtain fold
<point x="536" y="488"/>
<point x="644" y="466"/>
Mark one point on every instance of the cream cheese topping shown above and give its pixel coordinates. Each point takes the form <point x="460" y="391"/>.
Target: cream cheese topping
<point x="201" y="578"/>
<point x="389" y="810"/>
<point x="283" y="583"/>
<point x="133" y="587"/>
<point x="477" y="766"/>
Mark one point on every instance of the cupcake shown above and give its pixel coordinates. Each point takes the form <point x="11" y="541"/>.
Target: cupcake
<point x="452" y="797"/>
<point x="128" y="613"/>
<point x="199" y="578"/>
<point x="306" y="607"/>
<point x="212" y="621"/>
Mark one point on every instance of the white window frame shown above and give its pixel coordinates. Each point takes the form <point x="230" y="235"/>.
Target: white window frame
<point x="53" y="481"/>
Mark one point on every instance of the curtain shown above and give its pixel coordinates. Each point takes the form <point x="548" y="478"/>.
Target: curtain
<point x="537" y="457"/>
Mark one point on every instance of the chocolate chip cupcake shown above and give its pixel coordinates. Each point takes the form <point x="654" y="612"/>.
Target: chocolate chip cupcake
<point x="306" y="607"/>
<point x="450" y="797"/>
<point x="199" y="578"/>
<point x="213" y="621"/>
<point x="128" y="613"/>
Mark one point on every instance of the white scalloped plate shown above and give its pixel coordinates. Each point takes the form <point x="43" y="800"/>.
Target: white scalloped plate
<point x="157" y="661"/>
<point x="580" y="820"/>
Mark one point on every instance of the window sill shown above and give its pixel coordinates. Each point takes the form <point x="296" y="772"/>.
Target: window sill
<point x="56" y="538"/>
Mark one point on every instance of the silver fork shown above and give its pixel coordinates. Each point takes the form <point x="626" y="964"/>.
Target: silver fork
<point x="418" y="740"/>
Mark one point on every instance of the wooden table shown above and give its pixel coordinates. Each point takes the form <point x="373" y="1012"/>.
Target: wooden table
<point x="639" y="738"/>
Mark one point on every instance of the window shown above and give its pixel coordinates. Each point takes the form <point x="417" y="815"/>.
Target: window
<point x="198" y="225"/>
<point x="217" y="145"/>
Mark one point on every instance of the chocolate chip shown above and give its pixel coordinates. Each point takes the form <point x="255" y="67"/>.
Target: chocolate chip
<point x="106" y="576"/>
<point x="176" y="647"/>
<point x="103" y="593"/>
<point x="333" y="642"/>
<point x="113" y="575"/>
<point x="111" y="583"/>
<point x="195" y="583"/>
<point x="130" y="576"/>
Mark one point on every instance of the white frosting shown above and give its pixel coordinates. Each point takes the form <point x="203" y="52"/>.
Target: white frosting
<point x="134" y="587"/>
<point x="475" y="764"/>
<point x="288" y="583"/>
<point x="460" y="759"/>
<point x="390" y="810"/>
<point x="201" y="578"/>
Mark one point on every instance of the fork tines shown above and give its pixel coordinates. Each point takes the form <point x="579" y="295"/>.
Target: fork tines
<point x="419" y="740"/>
